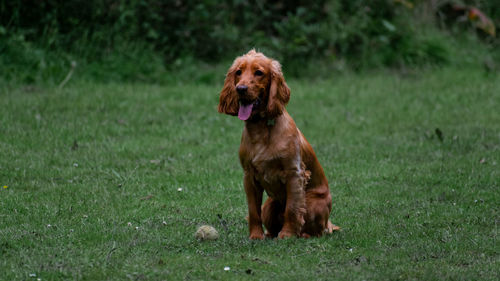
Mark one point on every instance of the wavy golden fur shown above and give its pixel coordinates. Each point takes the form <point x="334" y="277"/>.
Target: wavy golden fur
<point x="274" y="154"/>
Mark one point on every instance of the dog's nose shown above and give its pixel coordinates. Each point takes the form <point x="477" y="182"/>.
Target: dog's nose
<point x="241" y="89"/>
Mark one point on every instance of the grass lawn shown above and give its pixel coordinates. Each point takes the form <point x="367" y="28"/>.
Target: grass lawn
<point x="110" y="181"/>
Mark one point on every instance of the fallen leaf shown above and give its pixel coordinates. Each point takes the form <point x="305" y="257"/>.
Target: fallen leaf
<point x="75" y="145"/>
<point x="439" y="134"/>
<point x="149" y="196"/>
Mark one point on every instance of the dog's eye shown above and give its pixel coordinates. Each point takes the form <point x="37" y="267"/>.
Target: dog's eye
<point x="238" y="72"/>
<point x="258" y="73"/>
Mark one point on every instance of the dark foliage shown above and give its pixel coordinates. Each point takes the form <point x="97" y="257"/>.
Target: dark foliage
<point x="362" y="33"/>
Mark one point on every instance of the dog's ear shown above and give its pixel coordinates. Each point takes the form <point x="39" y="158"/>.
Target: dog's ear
<point x="279" y="93"/>
<point x="228" y="99"/>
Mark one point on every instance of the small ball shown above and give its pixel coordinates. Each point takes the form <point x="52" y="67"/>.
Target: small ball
<point x="206" y="232"/>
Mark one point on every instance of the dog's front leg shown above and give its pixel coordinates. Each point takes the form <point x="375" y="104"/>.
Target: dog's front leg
<point x="254" y="201"/>
<point x="295" y="208"/>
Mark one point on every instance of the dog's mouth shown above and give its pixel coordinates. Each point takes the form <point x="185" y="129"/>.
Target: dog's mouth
<point x="246" y="108"/>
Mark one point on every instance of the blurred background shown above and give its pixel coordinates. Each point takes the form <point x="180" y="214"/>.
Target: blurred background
<point x="184" y="40"/>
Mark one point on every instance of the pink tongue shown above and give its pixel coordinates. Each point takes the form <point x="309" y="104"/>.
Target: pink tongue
<point x="245" y="111"/>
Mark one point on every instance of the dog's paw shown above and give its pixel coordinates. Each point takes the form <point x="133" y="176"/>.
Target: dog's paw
<point x="286" y="234"/>
<point x="256" y="236"/>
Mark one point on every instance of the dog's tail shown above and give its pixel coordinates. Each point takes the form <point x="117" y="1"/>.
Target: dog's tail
<point x="330" y="228"/>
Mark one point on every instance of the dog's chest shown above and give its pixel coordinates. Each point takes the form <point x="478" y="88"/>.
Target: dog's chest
<point x="269" y="171"/>
<point x="272" y="155"/>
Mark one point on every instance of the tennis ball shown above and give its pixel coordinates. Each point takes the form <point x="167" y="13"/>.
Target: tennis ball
<point x="206" y="232"/>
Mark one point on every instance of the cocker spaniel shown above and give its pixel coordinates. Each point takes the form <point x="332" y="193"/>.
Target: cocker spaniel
<point x="274" y="154"/>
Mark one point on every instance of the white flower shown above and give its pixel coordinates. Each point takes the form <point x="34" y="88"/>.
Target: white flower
<point x="179" y="189"/>
<point x="227" y="268"/>
<point x="129" y="224"/>
<point x="75" y="164"/>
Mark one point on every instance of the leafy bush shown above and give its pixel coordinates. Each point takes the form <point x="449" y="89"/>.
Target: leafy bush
<point x="140" y="33"/>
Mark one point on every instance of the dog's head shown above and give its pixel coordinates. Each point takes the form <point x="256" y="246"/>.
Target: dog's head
<point x="254" y="85"/>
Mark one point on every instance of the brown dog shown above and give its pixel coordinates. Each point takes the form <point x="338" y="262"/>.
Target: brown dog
<point x="274" y="154"/>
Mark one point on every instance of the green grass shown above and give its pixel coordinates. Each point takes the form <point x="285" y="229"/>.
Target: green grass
<point x="93" y="171"/>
